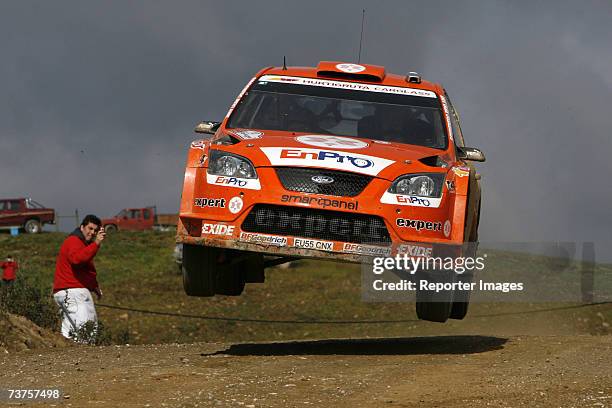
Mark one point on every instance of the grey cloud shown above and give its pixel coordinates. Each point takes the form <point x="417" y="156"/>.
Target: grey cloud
<point x="126" y="82"/>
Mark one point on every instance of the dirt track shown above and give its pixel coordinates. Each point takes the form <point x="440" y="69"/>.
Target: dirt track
<point x="466" y="371"/>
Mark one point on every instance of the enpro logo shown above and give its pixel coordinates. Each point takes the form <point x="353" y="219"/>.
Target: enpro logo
<point x="422" y="202"/>
<point x="230" y="181"/>
<point x="326" y="155"/>
<point x="235" y="182"/>
<point x="330" y="159"/>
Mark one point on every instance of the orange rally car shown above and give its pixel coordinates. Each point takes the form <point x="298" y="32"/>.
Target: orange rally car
<point x="335" y="162"/>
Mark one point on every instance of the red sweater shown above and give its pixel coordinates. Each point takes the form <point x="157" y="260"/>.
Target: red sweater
<point x="74" y="267"/>
<point x="9" y="269"/>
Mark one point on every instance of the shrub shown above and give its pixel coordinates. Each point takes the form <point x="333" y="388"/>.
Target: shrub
<point x="23" y="298"/>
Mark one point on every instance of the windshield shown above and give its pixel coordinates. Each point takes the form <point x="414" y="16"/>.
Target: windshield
<point x="376" y="112"/>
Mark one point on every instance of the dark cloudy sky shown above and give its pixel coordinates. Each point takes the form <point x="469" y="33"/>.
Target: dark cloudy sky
<point x="98" y="99"/>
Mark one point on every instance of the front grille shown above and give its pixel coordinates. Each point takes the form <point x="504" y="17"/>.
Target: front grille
<point x="317" y="224"/>
<point x="343" y="184"/>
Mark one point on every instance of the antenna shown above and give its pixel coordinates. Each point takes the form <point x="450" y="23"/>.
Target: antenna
<point x="361" y="38"/>
<point x="284" y="63"/>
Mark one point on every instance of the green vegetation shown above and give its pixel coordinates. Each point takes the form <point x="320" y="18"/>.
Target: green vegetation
<point x="137" y="271"/>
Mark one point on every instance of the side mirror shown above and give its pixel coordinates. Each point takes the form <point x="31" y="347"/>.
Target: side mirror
<point x="470" y="153"/>
<point x="207" y="127"/>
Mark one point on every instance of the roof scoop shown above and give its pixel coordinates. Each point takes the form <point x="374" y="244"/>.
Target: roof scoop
<point x="346" y="70"/>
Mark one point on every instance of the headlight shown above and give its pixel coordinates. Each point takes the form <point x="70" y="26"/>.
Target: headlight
<point x="422" y="185"/>
<point x="223" y="163"/>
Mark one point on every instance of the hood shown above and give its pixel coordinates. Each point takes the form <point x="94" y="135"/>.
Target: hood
<point x="359" y="155"/>
<point x="77" y="233"/>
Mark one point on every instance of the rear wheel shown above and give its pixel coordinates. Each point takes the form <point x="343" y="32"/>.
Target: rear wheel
<point x="32" y="227"/>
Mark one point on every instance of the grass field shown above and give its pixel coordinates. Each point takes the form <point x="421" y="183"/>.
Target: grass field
<point x="137" y="271"/>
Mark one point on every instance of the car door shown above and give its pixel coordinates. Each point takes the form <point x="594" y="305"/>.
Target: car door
<point x="11" y="213"/>
<point x="134" y="222"/>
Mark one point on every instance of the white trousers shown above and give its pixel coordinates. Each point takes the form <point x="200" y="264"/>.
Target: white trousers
<point x="77" y="308"/>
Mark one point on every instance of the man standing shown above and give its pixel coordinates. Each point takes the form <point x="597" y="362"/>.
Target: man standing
<point x="75" y="275"/>
<point x="9" y="270"/>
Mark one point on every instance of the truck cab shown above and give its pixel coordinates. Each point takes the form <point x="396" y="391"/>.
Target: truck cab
<point x="26" y="214"/>
<point x="131" y="219"/>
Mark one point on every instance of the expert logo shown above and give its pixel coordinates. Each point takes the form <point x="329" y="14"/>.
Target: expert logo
<point x="418" y="224"/>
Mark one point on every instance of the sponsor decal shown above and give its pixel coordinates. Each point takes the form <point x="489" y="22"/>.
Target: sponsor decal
<point x="461" y="171"/>
<point x="292" y="223"/>
<point x="447" y="228"/>
<point x="350" y="68"/>
<point x="209" y="202"/>
<point x="356" y="86"/>
<point x="321" y="202"/>
<point x="417" y="251"/>
<point x="366" y="249"/>
<point x="235" y="205"/>
<point x="246" y="87"/>
<point x="199" y="144"/>
<point x="305" y="157"/>
<point x="248" y="184"/>
<point x="450" y="185"/>
<point x="419" y="224"/>
<point x="413" y="201"/>
<point x="248" y="134"/>
<point x="417" y="201"/>
<point x="322" y="179"/>
<point x="203" y="159"/>
<point x="217" y="229"/>
<point x="313" y="244"/>
<point x="332" y="142"/>
<point x="278" y="79"/>
<point x="447" y="116"/>
<point x="263" y="239"/>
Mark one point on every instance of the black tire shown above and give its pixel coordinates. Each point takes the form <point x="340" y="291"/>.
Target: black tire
<point x="232" y="272"/>
<point x="32" y="226"/>
<point x="199" y="270"/>
<point x="230" y="282"/>
<point x="461" y="301"/>
<point x="433" y="311"/>
<point x="110" y="228"/>
<point x="435" y="306"/>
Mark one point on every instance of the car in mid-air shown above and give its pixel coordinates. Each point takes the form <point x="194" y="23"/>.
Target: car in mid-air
<point x="341" y="161"/>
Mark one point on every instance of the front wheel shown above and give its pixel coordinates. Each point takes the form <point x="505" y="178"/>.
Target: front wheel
<point x="32" y="227"/>
<point x="199" y="270"/>
<point x="110" y="228"/>
<point x="435" y="306"/>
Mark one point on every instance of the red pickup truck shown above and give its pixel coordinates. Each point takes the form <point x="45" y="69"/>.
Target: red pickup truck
<point x="139" y="219"/>
<point x="25" y="213"/>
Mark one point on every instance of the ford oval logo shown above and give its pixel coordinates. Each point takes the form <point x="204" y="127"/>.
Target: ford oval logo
<point x="322" y="179"/>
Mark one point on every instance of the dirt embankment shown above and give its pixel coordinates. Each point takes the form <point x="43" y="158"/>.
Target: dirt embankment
<point x="18" y="333"/>
<point x="438" y="371"/>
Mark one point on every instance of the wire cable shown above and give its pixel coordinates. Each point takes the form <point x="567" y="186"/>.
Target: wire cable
<point x="270" y="321"/>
